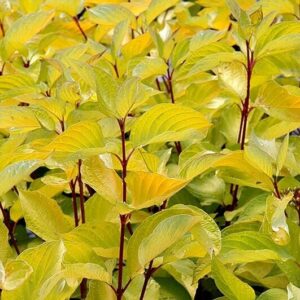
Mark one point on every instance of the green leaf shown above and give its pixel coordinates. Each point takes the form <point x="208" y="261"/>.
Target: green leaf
<point x="168" y="122"/>
<point x="273" y="294"/>
<point x="107" y="87"/>
<point x="15" y="273"/>
<point x="271" y="96"/>
<point x="259" y="159"/>
<point x="162" y="230"/>
<point x="70" y="278"/>
<point x="110" y="14"/>
<point x="234" y="77"/>
<point x="250" y="246"/>
<point x="18" y="34"/>
<point x="205" y="38"/>
<point x="157" y="7"/>
<point x="230" y="285"/>
<point x="98" y="289"/>
<point x="105" y="181"/>
<point x="120" y="32"/>
<point x="282" y="154"/>
<point x="234" y="163"/>
<point x="14" y="173"/>
<point x="148" y="189"/>
<point x="70" y="7"/>
<point x="211" y="61"/>
<point x="234" y="8"/>
<point x="80" y="136"/>
<point x="137" y="46"/>
<point x="150" y="66"/>
<point x="18" y="119"/>
<point x="30" y="5"/>
<point x="270" y="128"/>
<point x="270" y="39"/>
<point x="14" y="85"/>
<point x="89" y="243"/>
<point x="280" y="45"/>
<point x="131" y="94"/>
<point x="45" y="261"/>
<point x="43" y="216"/>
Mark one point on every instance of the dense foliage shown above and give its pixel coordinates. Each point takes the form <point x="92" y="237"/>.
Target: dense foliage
<point x="149" y="149"/>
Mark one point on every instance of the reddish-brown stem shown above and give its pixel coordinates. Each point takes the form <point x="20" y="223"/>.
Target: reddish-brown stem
<point x="129" y="228"/>
<point x="62" y="125"/>
<point x="166" y="84"/>
<point x="2" y="69"/>
<point x="72" y="185"/>
<point x="147" y="278"/>
<point x="245" y="110"/>
<point x="169" y="86"/>
<point x="81" y="196"/>
<point x="2" y="29"/>
<point x="178" y="147"/>
<point x="123" y="218"/>
<point x="10" y="228"/>
<point x="157" y="84"/>
<point x="124" y="158"/>
<point x="150" y="271"/>
<point x="83" y="284"/>
<point x="116" y="70"/>
<point x="76" y="20"/>
<point x="83" y="288"/>
<point x="276" y="189"/>
<point x="246" y="103"/>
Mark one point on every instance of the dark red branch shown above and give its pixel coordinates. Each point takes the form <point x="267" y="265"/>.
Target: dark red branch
<point x="10" y="227"/>
<point x="245" y="110"/>
<point x="72" y="185"/>
<point x="76" y="20"/>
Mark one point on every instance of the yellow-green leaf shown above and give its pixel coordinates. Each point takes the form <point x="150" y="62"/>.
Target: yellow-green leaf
<point x="282" y="154"/>
<point x="16" y="172"/>
<point x="5" y="250"/>
<point x="71" y="7"/>
<point x="105" y="181"/>
<point x="230" y="285"/>
<point x="157" y="7"/>
<point x="19" y="33"/>
<point x="110" y="14"/>
<point x="168" y="122"/>
<point x="80" y="136"/>
<point x="16" y="272"/>
<point x="148" y="189"/>
<point x="43" y="216"/>
<point x="45" y="260"/>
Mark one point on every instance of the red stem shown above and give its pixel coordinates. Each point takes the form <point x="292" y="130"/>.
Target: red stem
<point x="81" y="196"/>
<point x="244" y="118"/>
<point x="170" y="90"/>
<point x="2" y="29"/>
<point x="147" y="278"/>
<point x="148" y="275"/>
<point x="2" y="69"/>
<point x="72" y="185"/>
<point x="123" y="218"/>
<point x="80" y="28"/>
<point x="83" y="284"/>
<point x="276" y="189"/>
<point x="10" y="228"/>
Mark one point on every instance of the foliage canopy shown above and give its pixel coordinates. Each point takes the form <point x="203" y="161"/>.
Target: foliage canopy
<point x="149" y="149"/>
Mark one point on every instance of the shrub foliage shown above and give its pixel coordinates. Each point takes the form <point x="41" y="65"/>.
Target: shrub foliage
<point x="149" y="149"/>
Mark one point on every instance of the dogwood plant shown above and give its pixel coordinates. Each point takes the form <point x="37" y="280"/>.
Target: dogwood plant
<point x="149" y="149"/>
